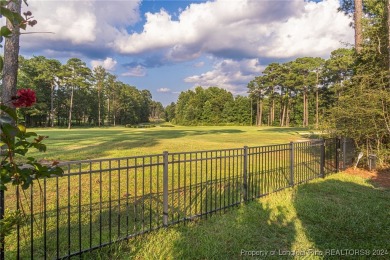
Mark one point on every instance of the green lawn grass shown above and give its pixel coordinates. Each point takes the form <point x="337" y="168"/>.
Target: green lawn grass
<point x="340" y="212"/>
<point x="93" y="143"/>
<point x="82" y="203"/>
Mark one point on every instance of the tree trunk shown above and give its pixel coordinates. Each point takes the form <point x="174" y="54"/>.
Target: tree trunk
<point x="317" y="100"/>
<point x="99" y="119"/>
<point x="283" y="109"/>
<point x="273" y="112"/>
<point x="261" y="114"/>
<point x="307" y="109"/>
<point x="108" y="111"/>
<point x="70" y="109"/>
<point x="251" y="112"/>
<point x="114" y="111"/>
<point x="11" y="55"/>
<point x="358" y="14"/>
<point x="304" y="109"/>
<point x="257" y="112"/>
<point x="317" y="108"/>
<point x="52" y="105"/>
<point x="288" y="113"/>
<point x="268" y="118"/>
<point x="388" y="37"/>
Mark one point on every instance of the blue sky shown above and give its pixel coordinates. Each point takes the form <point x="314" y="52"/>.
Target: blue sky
<point x="172" y="46"/>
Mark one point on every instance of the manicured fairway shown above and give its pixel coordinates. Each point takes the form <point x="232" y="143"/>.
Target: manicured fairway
<point x="93" y="143"/>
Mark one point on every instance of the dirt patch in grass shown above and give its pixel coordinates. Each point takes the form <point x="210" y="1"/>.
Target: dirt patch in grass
<point x="380" y="177"/>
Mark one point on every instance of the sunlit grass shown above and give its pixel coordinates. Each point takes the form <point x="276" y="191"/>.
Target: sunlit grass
<point x="340" y="212"/>
<point x="92" y="143"/>
<point x="83" y="202"/>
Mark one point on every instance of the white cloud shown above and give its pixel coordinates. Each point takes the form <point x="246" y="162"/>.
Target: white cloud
<point x="75" y="23"/>
<point x="199" y="64"/>
<point x="138" y="71"/>
<point x="163" y="90"/>
<point x="229" y="74"/>
<point x="242" y="28"/>
<point x="108" y="63"/>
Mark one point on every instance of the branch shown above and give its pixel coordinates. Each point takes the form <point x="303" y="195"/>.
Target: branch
<point x="385" y="117"/>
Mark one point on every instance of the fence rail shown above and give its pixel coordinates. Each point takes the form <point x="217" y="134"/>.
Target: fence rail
<point x="99" y="202"/>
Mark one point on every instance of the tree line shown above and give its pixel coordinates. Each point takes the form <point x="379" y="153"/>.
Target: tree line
<point x="73" y="94"/>
<point x="295" y="93"/>
<point x="209" y="106"/>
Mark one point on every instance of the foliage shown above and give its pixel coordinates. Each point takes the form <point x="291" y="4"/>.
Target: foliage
<point x="15" y="143"/>
<point x="9" y="221"/>
<point x="73" y="94"/>
<point x="289" y="93"/>
<point x="210" y="106"/>
<point x="16" y="19"/>
<point x="362" y="107"/>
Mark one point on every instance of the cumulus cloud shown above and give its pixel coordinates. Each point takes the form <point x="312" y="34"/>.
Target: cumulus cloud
<point x="108" y="63"/>
<point x="229" y="74"/>
<point x="163" y="90"/>
<point x="199" y="64"/>
<point x="242" y="29"/>
<point x="91" y="23"/>
<point x="138" y="71"/>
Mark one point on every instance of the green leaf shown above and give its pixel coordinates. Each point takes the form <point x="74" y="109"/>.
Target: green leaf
<point x="22" y="128"/>
<point x="5" y="120"/>
<point x="21" y="151"/>
<point x="9" y="111"/>
<point x="40" y="147"/>
<point x="9" y="130"/>
<point x="6" y="13"/>
<point x="29" y="134"/>
<point x="5" y="32"/>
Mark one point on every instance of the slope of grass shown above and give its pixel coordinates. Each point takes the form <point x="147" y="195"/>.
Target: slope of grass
<point x="92" y="143"/>
<point x="341" y="214"/>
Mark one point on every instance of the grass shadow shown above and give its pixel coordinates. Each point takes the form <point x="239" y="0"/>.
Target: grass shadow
<point x="253" y="227"/>
<point x="344" y="215"/>
<point x="293" y="130"/>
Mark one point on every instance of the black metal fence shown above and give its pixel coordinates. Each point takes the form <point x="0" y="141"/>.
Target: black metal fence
<point x="99" y="202"/>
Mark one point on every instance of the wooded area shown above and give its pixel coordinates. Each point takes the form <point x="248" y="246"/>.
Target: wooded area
<point x="72" y="94"/>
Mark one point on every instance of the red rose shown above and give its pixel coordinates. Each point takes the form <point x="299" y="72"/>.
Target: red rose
<point x="24" y="98"/>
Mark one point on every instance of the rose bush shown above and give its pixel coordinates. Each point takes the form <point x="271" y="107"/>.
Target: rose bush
<point x="15" y="167"/>
<point x="15" y="142"/>
<point x="24" y="98"/>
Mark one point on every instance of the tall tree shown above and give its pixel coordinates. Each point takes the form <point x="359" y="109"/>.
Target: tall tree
<point x="75" y="75"/>
<point x="100" y="75"/>
<point x="306" y="68"/>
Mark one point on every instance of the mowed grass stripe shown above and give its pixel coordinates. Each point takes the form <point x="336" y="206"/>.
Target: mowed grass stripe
<point x="93" y="143"/>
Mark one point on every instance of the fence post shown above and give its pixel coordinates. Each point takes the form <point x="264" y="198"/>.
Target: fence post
<point x="291" y="164"/>
<point x="322" y="159"/>
<point x="2" y="256"/>
<point x="165" y="189"/>
<point x="344" y="153"/>
<point x="245" y="173"/>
